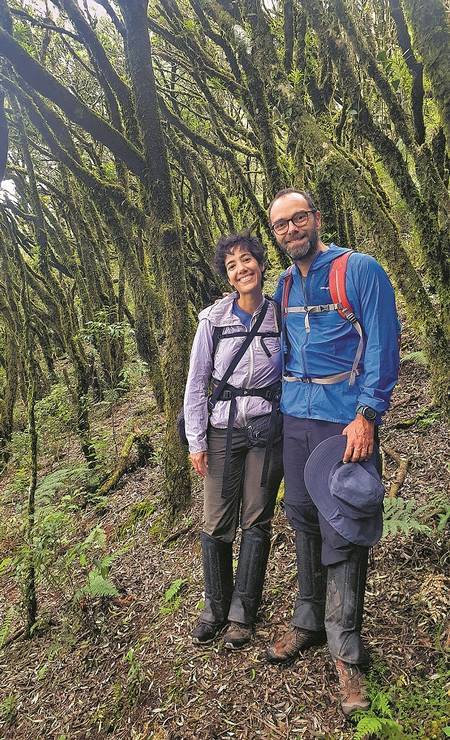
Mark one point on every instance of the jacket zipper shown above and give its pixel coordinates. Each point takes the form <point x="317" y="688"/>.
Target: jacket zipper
<point x="303" y="349"/>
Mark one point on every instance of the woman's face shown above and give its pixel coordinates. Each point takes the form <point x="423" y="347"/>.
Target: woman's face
<point x="243" y="271"/>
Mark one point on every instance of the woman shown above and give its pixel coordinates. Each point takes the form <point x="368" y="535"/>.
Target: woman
<point x="235" y="439"/>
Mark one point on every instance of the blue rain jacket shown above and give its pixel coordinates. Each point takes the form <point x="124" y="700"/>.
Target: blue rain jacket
<point x="331" y="345"/>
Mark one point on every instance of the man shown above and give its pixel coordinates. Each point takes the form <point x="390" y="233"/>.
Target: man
<point x="322" y="398"/>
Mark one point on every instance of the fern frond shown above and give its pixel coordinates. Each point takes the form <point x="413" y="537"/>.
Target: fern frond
<point x="173" y="590"/>
<point x="381" y="703"/>
<point x="56" y="480"/>
<point x="405" y="517"/>
<point x="418" y="357"/>
<point x="367" y="726"/>
<point x="5" y="564"/>
<point x="97" y="586"/>
<point x="5" y="626"/>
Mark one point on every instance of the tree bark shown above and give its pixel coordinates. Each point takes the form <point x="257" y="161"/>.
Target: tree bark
<point x="166" y="248"/>
<point x="9" y="394"/>
<point x="288" y="24"/>
<point x="432" y="39"/>
<point x="415" y="67"/>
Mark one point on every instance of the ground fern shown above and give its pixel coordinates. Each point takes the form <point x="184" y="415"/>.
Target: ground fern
<point x="403" y="516"/>
<point x="5" y="626"/>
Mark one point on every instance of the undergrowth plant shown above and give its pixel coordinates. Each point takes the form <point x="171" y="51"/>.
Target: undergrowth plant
<point x="172" y="598"/>
<point x="66" y="559"/>
<point x="405" y="710"/>
<point x="8" y="709"/>
<point x="405" y="516"/>
<point x="378" y="722"/>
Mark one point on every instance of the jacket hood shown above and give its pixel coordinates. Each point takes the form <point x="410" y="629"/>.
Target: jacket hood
<point x="221" y="312"/>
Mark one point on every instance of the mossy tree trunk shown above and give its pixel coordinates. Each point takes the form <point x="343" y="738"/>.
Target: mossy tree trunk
<point x="430" y="24"/>
<point x="9" y="392"/>
<point x="165" y="246"/>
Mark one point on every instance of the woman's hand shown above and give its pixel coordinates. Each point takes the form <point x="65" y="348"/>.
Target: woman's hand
<point x="199" y="462"/>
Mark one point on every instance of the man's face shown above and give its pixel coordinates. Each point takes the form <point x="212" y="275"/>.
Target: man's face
<point x="298" y="242"/>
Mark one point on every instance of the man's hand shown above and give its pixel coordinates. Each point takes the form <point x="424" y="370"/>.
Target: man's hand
<point x="360" y="437"/>
<point x="199" y="462"/>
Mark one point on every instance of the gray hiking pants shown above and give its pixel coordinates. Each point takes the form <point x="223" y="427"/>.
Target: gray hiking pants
<point x="248" y="504"/>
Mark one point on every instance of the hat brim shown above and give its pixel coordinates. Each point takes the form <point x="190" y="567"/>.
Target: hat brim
<point x="364" y="531"/>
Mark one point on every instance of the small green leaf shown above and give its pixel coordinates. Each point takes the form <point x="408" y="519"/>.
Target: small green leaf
<point x="97" y="585"/>
<point x="173" y="590"/>
<point x="5" y="564"/>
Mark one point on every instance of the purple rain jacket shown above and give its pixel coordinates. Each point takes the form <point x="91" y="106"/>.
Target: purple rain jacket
<point x="255" y="370"/>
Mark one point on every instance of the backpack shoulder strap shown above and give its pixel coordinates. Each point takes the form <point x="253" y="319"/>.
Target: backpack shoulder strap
<point x="338" y="271"/>
<point x="287" y="285"/>
<point x="237" y="357"/>
<point x="216" y="337"/>
<point x="277" y="309"/>
<point x="336" y="281"/>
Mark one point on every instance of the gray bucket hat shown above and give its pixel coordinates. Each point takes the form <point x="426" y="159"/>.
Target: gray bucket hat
<point x="348" y="495"/>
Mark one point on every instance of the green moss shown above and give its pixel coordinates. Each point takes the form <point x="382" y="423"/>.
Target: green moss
<point x="139" y="512"/>
<point x="159" y="529"/>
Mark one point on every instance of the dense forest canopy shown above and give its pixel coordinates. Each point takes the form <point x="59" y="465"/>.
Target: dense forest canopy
<point x="132" y="137"/>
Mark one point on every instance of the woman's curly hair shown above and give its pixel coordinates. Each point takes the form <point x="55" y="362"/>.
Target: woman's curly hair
<point x="227" y="244"/>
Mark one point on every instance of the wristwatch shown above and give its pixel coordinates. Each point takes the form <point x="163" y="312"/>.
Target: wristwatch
<point x="367" y="412"/>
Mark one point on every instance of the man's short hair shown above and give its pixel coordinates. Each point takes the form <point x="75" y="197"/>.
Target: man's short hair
<point x="287" y="191"/>
<point x="227" y="244"/>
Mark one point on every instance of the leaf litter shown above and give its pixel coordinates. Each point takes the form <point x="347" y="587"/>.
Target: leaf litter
<point x="123" y="667"/>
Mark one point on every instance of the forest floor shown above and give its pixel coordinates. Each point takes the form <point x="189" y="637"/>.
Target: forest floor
<point x="124" y="667"/>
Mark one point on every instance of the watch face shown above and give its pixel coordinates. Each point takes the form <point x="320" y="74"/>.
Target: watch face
<point x="367" y="412"/>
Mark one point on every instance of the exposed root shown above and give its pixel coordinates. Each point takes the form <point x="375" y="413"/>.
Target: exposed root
<point x="176" y="535"/>
<point x="141" y="440"/>
<point x="403" y="465"/>
<point x="15" y="636"/>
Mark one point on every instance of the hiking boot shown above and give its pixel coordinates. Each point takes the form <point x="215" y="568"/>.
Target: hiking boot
<point x="286" y="649"/>
<point x="205" y="632"/>
<point x="237" y="635"/>
<point x="353" y="689"/>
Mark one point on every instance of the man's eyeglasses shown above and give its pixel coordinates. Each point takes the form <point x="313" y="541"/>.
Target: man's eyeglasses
<point x="300" y="218"/>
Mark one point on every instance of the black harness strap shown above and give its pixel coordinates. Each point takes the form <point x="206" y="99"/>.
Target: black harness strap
<point x="270" y="393"/>
<point x="237" y="357"/>
<point x="224" y="392"/>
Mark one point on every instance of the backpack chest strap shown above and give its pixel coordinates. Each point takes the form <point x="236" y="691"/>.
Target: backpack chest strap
<point x="313" y="309"/>
<point x="325" y="308"/>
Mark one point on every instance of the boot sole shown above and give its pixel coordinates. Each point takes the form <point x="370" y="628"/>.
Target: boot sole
<point x="283" y="661"/>
<point x="350" y="710"/>
<point x="196" y="641"/>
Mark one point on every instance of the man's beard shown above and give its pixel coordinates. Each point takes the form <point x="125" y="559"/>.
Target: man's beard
<point x="305" y="250"/>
